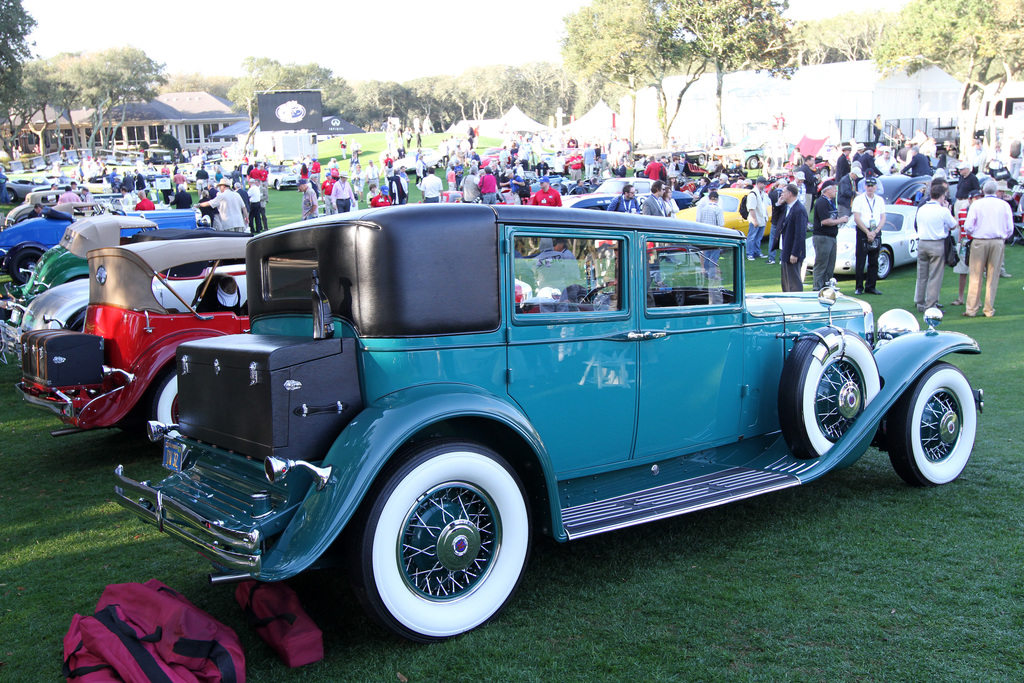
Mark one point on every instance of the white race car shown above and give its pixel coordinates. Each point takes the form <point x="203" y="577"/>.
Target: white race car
<point x="899" y="244"/>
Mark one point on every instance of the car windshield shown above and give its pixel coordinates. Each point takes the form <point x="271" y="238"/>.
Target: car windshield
<point x="611" y="186"/>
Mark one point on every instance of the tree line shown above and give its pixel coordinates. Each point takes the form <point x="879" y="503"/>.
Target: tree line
<point x="610" y="48"/>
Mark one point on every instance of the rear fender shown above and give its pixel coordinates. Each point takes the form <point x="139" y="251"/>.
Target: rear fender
<point x="366" y="445"/>
<point x="900" y="362"/>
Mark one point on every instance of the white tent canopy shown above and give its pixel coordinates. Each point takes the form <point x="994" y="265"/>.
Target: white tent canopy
<point x="811" y="101"/>
<point x="515" y="121"/>
<point x="597" y="122"/>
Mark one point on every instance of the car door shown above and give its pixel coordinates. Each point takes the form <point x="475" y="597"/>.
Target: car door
<point x="691" y="358"/>
<point x="572" y="352"/>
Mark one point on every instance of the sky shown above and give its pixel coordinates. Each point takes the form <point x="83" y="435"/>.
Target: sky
<point x="397" y="40"/>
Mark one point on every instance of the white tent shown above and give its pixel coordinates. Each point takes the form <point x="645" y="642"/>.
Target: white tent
<point x="811" y="101"/>
<point x="515" y="121"/>
<point x="597" y="123"/>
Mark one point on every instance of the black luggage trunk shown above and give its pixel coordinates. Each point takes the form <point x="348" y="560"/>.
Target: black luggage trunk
<point x="62" y="358"/>
<point x="268" y="395"/>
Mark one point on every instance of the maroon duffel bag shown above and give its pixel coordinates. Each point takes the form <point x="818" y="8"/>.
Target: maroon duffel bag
<point x="148" y="632"/>
<point x="273" y="609"/>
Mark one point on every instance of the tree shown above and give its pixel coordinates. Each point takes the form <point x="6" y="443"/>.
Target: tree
<point x="218" y="86"/>
<point x="849" y="37"/>
<point x="636" y="44"/>
<point x="737" y="34"/>
<point x="976" y="41"/>
<point x="112" y="79"/>
<point x="15" y="26"/>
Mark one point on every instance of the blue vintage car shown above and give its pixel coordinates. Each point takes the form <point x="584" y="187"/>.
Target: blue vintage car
<point x="23" y="243"/>
<point x="435" y="383"/>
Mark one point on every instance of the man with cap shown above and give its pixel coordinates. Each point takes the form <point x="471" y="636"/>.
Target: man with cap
<point x="309" y="200"/>
<point x="381" y="199"/>
<point x="869" y="217"/>
<point x="843" y="162"/>
<point x="430" y="186"/>
<point x="918" y="164"/>
<point x="758" y="210"/>
<point x="342" y="194"/>
<point x="886" y="164"/>
<point x="230" y="209"/>
<point x="968" y="183"/>
<point x="848" y="190"/>
<point x="257" y="213"/>
<point x="825" y="231"/>
<point x="546" y="195"/>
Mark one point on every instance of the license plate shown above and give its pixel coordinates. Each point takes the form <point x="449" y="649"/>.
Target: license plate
<point x="174" y="455"/>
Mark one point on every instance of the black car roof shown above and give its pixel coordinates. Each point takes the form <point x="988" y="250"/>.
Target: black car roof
<point x="397" y="217"/>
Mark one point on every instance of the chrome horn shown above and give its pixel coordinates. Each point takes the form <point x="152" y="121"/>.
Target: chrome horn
<point x="277" y="469"/>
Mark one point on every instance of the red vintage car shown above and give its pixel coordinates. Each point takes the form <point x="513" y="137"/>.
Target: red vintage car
<point x="144" y="300"/>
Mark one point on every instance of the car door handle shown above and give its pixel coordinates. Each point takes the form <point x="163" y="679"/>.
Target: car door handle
<point x="639" y="336"/>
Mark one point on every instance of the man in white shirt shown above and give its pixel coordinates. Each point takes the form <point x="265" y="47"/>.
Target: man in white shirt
<point x="934" y="222"/>
<point x="431" y="188"/>
<point x="758" y="208"/>
<point x="869" y="217"/>
<point x="231" y="213"/>
<point x="886" y="163"/>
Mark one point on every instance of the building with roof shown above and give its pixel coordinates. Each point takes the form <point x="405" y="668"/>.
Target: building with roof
<point x="191" y="117"/>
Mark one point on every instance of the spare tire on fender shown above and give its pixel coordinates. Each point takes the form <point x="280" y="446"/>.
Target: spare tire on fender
<point x="828" y="378"/>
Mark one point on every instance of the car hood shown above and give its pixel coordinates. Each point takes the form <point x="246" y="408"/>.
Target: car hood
<point x="802" y="307"/>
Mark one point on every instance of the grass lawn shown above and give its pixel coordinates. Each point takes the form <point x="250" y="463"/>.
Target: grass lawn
<point x="853" y="577"/>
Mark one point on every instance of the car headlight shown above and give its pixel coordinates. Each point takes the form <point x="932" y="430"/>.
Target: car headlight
<point x="896" y="322"/>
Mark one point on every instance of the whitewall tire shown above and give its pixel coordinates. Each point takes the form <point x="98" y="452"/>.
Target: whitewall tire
<point x="827" y="380"/>
<point x="442" y="542"/>
<point x="931" y="429"/>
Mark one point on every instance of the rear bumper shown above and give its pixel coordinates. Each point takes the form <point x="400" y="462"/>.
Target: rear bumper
<point x="232" y="549"/>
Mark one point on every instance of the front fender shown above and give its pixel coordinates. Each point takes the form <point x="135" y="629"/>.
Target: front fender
<point x="900" y="362"/>
<point x="363" y="449"/>
<point x="19" y="248"/>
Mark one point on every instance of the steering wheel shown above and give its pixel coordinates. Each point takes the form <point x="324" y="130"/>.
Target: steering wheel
<point x="588" y="298"/>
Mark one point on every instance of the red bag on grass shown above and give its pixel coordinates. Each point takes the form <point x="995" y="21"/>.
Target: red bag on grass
<point x="273" y="609"/>
<point x="148" y="632"/>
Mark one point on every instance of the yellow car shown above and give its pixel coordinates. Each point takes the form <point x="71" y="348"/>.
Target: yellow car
<point x="729" y="199"/>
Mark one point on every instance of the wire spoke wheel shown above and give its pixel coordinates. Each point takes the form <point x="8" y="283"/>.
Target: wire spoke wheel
<point x="450" y="538"/>
<point x="839" y="399"/>
<point x="940" y="426"/>
<point x="931" y="429"/>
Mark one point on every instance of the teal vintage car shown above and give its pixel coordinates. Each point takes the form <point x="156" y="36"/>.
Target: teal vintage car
<point x="425" y="387"/>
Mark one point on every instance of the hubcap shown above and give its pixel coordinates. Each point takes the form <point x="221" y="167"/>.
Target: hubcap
<point x="849" y="400"/>
<point x="839" y="398"/>
<point x="449" y="541"/>
<point x="940" y="426"/>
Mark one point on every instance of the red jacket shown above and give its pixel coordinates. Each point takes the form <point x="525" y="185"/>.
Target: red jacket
<point x="145" y="205"/>
<point x="380" y="200"/>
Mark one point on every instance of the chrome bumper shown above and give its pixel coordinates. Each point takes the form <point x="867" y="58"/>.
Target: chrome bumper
<point x="61" y="406"/>
<point x="172" y="517"/>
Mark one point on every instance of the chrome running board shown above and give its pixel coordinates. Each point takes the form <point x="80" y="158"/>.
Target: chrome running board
<point x="670" y="500"/>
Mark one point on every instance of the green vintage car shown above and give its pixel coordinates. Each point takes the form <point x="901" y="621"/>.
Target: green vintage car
<point x="425" y="387"/>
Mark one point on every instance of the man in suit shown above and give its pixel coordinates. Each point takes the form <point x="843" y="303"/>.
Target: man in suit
<point x="918" y="165"/>
<point x="792" y="238"/>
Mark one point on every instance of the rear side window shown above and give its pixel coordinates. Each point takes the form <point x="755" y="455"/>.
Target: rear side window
<point x="288" y="276"/>
<point x="556" y="274"/>
<point x="684" y="275"/>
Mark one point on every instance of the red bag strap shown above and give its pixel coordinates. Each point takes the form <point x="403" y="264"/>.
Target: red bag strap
<point x="256" y="622"/>
<point x="211" y="650"/>
<point x="80" y="670"/>
<point x="133" y="643"/>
